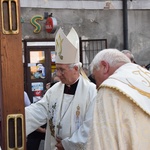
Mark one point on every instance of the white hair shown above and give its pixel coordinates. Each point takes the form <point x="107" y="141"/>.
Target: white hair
<point x="79" y="65"/>
<point x="112" y="56"/>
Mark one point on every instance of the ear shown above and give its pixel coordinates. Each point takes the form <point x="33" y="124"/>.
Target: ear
<point x="76" y="68"/>
<point x="105" y="66"/>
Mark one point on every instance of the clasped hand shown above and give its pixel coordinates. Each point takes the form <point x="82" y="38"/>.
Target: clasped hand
<point x="59" y="144"/>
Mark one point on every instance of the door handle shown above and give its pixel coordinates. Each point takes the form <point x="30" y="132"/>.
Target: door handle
<point x="10" y="16"/>
<point x="15" y="132"/>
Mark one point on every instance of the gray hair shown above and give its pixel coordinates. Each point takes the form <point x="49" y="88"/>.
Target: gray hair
<point x="112" y="56"/>
<point x="79" y="65"/>
<point x="131" y="56"/>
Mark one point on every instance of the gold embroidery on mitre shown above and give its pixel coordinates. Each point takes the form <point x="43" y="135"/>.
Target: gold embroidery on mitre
<point x="78" y="111"/>
<point x="59" y="42"/>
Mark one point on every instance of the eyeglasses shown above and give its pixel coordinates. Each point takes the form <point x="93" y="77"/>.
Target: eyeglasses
<point x="60" y="70"/>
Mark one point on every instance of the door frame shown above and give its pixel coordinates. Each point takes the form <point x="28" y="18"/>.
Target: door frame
<point x="46" y="45"/>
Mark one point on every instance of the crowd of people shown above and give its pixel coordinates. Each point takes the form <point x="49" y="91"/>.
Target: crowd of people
<point x="110" y="110"/>
<point x="107" y="110"/>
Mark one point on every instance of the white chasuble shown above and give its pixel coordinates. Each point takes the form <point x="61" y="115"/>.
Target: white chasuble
<point x="121" y="118"/>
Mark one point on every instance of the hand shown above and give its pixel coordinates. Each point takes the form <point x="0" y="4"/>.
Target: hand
<point x="42" y="130"/>
<point x="59" y="144"/>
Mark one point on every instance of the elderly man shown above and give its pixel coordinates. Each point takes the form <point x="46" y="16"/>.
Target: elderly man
<point x="67" y="105"/>
<point x="121" y="118"/>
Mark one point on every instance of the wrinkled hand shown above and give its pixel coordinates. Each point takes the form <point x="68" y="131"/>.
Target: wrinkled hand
<point x="59" y="144"/>
<point x="41" y="130"/>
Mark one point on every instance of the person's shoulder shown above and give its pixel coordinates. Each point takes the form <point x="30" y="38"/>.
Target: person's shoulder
<point x="55" y="87"/>
<point x="56" y="84"/>
<point x="92" y="85"/>
<point x="88" y="83"/>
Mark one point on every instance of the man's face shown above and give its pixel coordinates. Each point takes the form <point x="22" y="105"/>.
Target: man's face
<point x="101" y="74"/>
<point x="67" y="75"/>
<point x="98" y="76"/>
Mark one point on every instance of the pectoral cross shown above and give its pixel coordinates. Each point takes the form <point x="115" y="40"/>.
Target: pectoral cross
<point x="59" y="127"/>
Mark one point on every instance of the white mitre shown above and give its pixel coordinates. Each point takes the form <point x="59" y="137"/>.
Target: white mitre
<point x="67" y="47"/>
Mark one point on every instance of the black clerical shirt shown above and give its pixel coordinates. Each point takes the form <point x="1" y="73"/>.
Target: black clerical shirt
<point x="71" y="88"/>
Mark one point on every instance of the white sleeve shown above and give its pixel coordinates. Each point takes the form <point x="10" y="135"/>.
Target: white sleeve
<point x="36" y="115"/>
<point x="27" y="101"/>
